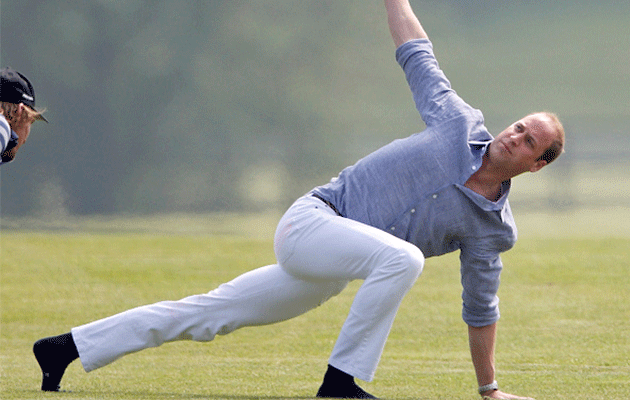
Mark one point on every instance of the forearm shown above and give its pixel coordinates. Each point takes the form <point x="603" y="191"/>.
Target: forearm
<point x="403" y="23"/>
<point x="482" y="342"/>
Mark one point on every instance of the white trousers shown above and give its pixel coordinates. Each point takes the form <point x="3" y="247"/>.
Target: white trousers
<point x="318" y="253"/>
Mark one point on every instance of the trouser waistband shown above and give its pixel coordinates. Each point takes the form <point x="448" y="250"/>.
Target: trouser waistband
<point x="328" y="203"/>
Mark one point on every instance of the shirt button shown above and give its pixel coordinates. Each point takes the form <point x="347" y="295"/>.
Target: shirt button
<point x="413" y="210"/>
<point x="474" y="168"/>
<point x="393" y="228"/>
<point x="435" y="196"/>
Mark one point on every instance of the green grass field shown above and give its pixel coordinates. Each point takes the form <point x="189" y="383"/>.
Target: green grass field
<point x="564" y="331"/>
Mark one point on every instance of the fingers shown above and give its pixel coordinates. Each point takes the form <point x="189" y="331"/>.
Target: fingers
<point x="497" y="395"/>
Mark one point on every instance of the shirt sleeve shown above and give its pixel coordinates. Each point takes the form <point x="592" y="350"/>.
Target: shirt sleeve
<point x="435" y="100"/>
<point x="5" y="134"/>
<point x="480" y="273"/>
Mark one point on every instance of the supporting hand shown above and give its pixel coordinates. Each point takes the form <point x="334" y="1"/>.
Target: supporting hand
<point x="497" y="394"/>
<point x="482" y="343"/>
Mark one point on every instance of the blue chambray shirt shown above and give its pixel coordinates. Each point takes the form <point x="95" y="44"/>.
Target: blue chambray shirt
<point x="414" y="187"/>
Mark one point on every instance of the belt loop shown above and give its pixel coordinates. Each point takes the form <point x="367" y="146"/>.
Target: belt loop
<point x="328" y="203"/>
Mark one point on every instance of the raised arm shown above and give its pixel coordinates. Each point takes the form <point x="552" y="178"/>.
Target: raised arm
<point x="403" y="23"/>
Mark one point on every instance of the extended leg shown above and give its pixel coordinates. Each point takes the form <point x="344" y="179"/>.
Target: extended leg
<point x="262" y="296"/>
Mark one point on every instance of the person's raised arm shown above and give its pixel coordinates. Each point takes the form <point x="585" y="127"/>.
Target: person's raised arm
<point x="403" y="23"/>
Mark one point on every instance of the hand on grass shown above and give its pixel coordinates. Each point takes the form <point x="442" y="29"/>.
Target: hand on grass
<point x="497" y="394"/>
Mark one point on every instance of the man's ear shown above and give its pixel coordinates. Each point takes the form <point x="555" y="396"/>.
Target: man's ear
<point x="538" y="165"/>
<point x="19" y="112"/>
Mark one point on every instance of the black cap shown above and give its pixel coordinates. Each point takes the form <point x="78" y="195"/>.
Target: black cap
<point x="16" y="88"/>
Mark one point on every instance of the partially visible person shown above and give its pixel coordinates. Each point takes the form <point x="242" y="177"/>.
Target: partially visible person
<point x="17" y="112"/>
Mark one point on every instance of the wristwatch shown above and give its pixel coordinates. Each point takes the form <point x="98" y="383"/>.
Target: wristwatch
<point x="490" y="386"/>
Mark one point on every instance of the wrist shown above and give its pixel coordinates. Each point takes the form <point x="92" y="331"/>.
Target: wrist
<point x="490" y="387"/>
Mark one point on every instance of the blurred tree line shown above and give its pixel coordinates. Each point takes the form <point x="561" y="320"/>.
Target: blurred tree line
<point x="203" y="105"/>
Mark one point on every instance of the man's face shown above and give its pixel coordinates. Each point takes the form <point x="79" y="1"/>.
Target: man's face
<point x="519" y="146"/>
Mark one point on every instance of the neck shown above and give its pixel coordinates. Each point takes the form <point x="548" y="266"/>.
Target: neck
<point x="486" y="181"/>
<point x="490" y="192"/>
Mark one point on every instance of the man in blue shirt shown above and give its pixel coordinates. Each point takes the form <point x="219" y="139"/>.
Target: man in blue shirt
<point x="434" y="192"/>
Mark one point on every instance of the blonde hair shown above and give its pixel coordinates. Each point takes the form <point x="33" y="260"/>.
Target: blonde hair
<point x="10" y="109"/>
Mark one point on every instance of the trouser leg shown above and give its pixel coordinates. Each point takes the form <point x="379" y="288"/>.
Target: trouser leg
<point x="318" y="253"/>
<point x="362" y="338"/>
<point x="329" y="247"/>
<point x="262" y="296"/>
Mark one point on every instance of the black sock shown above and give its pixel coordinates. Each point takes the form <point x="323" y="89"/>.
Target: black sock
<point x="338" y="376"/>
<point x="340" y="385"/>
<point x="54" y="354"/>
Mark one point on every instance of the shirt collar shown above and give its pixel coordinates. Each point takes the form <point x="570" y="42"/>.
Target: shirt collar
<point x="477" y="144"/>
<point x="482" y="202"/>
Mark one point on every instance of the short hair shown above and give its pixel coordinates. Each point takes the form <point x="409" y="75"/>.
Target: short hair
<point x="557" y="146"/>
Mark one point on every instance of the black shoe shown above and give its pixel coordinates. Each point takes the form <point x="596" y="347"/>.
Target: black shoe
<point x="352" y="391"/>
<point x="340" y="385"/>
<point x="53" y="355"/>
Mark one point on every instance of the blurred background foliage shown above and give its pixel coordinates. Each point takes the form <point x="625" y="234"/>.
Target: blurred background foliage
<point x="160" y="106"/>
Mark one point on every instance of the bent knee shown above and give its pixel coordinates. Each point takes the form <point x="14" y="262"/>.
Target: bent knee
<point x="406" y="260"/>
<point x="414" y="260"/>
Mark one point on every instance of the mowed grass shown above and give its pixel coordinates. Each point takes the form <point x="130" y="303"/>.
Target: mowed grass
<point x="564" y="331"/>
